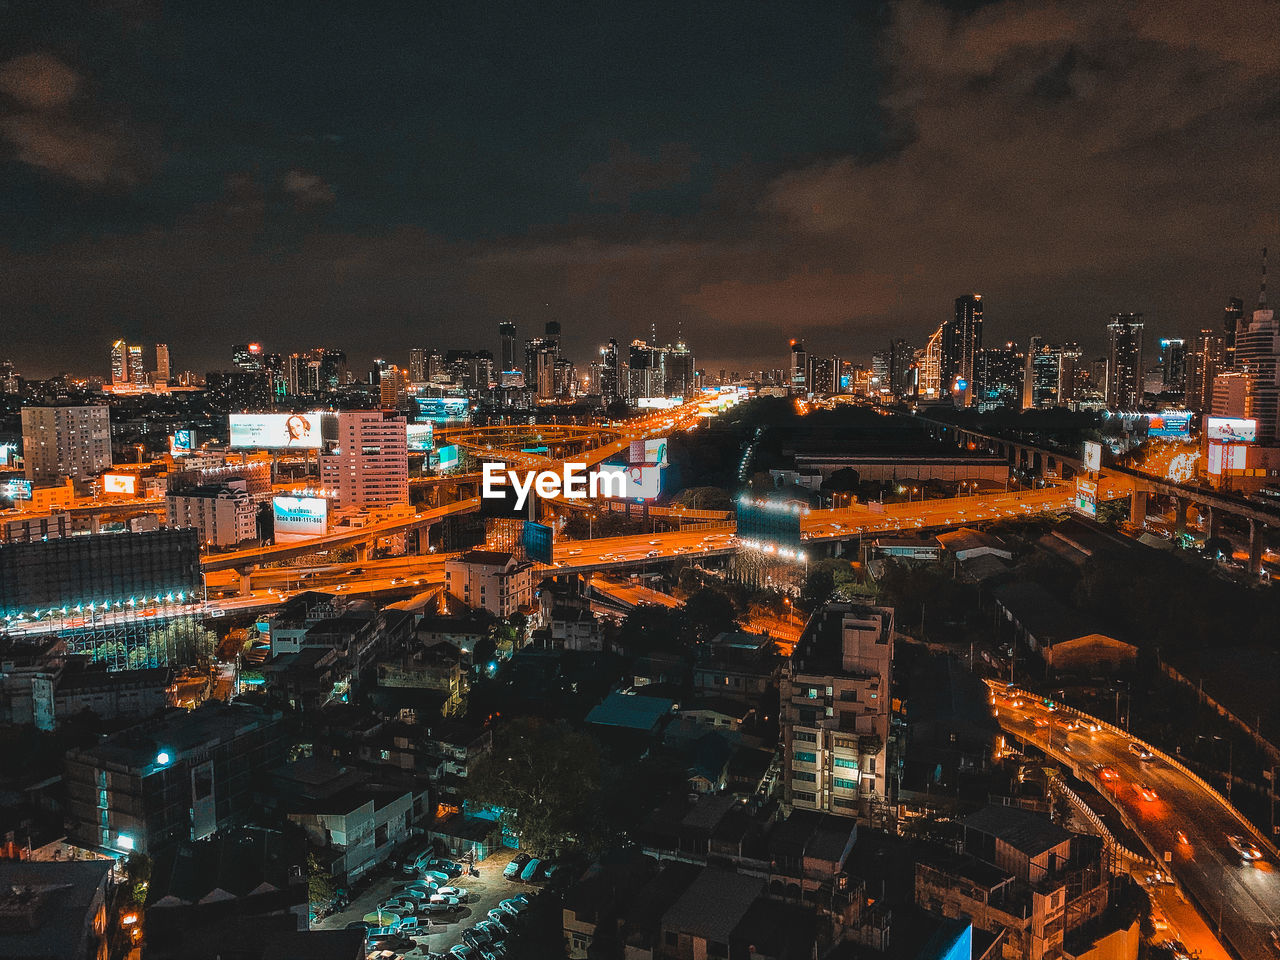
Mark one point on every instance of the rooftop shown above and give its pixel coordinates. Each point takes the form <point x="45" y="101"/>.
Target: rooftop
<point x="714" y="904"/>
<point x="43" y="908"/>
<point x="630" y="710"/>
<point x="1025" y="831"/>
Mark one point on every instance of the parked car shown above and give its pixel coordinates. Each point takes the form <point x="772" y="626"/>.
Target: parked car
<point x="459" y="892"/>
<point x="359" y="925"/>
<point x="437" y="907"/>
<point x="398" y="905"/>
<point x="439" y="876"/>
<point x="447" y="901"/>
<point x="513" y="907"/>
<point x="500" y="918"/>
<point x="530" y="870"/>
<point x="462" y="952"/>
<point x="476" y="937"/>
<point x="497" y="932"/>
<point x="512" y="869"/>
<point x="445" y="866"/>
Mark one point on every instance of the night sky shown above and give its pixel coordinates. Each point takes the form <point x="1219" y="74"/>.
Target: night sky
<point x="380" y="175"/>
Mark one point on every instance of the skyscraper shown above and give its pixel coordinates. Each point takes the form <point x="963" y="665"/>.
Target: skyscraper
<point x="1173" y="365"/>
<point x="609" y="371"/>
<point x="507" y="333"/>
<point x="119" y="362"/>
<point x="1124" y="362"/>
<point x="247" y="356"/>
<point x="997" y="378"/>
<point x="1232" y="317"/>
<point x="162" y="363"/>
<point x="961" y="341"/>
<point x="1205" y="362"/>
<point x="798" y="369"/>
<point x="137" y="368"/>
<point x="418" y="365"/>
<point x="370" y="464"/>
<point x="60" y="442"/>
<point x="929" y="385"/>
<point x="1258" y="357"/>
<point x="901" y="370"/>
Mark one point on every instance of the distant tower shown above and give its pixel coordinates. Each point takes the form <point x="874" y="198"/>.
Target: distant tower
<point x="799" y="369"/>
<point x="507" y="331"/>
<point x="1231" y="318"/>
<point x="1258" y="357"/>
<point x="162" y="363"/>
<point x="1124" y="362"/>
<point x="961" y="341"/>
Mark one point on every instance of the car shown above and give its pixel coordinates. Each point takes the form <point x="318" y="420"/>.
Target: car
<point x="513" y="906"/>
<point x="437" y="875"/>
<point x="359" y="925"/>
<point x="476" y="937"/>
<point x="394" y="942"/>
<point x="530" y="870"/>
<point x="654" y="543"/>
<point x="1146" y="791"/>
<point x="417" y="894"/>
<point x="397" y="580"/>
<point x="493" y="951"/>
<point x="446" y="901"/>
<point x="440" y="906"/>
<point x="574" y="553"/>
<point x="1247" y="849"/>
<point x="450" y="867"/>
<point x="463" y="952"/>
<point x="523" y="898"/>
<point x="512" y="869"/>
<point x="495" y="930"/>
<point x="1182" y="838"/>
<point x="459" y="892"/>
<point x="1107" y="773"/>
<point x="501" y="920"/>
<point x="1140" y="751"/>
<point x="652" y="553"/>
<point x="398" y="905"/>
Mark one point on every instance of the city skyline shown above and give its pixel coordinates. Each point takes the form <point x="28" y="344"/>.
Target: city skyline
<point x="405" y="182"/>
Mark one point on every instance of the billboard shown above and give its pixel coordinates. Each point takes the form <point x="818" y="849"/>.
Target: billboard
<point x="649" y="451"/>
<point x="644" y="481"/>
<point x="421" y="437"/>
<point x="275" y="431"/>
<point x="1087" y="497"/>
<point x="1230" y="430"/>
<point x="537" y="539"/>
<point x="770" y="521"/>
<point x="1227" y="456"/>
<point x="299" y="517"/>
<point x="1169" y="423"/>
<point x="182" y="442"/>
<point x="658" y="403"/>
<point x="16" y="490"/>
<point x="443" y="409"/>
<point x="1092" y="456"/>
<point x="445" y="458"/>
<point x="124" y="483"/>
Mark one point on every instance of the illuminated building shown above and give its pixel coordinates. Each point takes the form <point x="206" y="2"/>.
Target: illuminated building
<point x="997" y="378"/>
<point x="62" y="442"/>
<point x="609" y="371"/>
<point x="1232" y="317"/>
<point x="961" y="341"/>
<point x="393" y="388"/>
<point x="798" y="370"/>
<point x="1173" y="365"/>
<point x="418" y="365"/>
<point x="490" y="580"/>
<point x="247" y="356"/>
<point x="929" y="384"/>
<point x="1124" y="362"/>
<point x="369" y="465"/>
<point x="507" y="333"/>
<point x="222" y="514"/>
<point x="1258" y="356"/>
<point x="10" y="383"/>
<point x="901" y="368"/>
<point x="822" y="375"/>
<point x="119" y="362"/>
<point x="183" y="777"/>
<point x="162" y="364"/>
<point x="1050" y="374"/>
<point x="834" y="698"/>
<point x="1207" y="359"/>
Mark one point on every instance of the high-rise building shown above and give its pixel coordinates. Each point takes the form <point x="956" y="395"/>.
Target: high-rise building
<point x="62" y="442"/>
<point x="678" y="371"/>
<point x="1258" y="357"/>
<point x="822" y="375"/>
<point x="119" y="363"/>
<point x="961" y="341"/>
<point x="798" y="369"/>
<point x="997" y="378"/>
<point x="1206" y="361"/>
<point x="834" y="710"/>
<point x="418" y="365"/>
<point x="609" y="371"/>
<point x="247" y="356"/>
<point x="902" y="356"/>
<point x="1173" y="365"/>
<point x="1050" y="374"/>
<point x="10" y="382"/>
<point x="1124" y="362"/>
<point x="507" y="333"/>
<point x="929" y="382"/>
<point x="393" y="388"/>
<point x="1232" y="317"/>
<point x="137" y="367"/>
<point x="369" y="465"/>
<point x="162" y="363"/>
<point x="332" y="370"/>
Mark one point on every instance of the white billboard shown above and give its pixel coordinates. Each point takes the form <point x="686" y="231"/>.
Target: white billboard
<point x="275" y="431"/>
<point x="300" y="517"/>
<point x="125" y="483"/>
<point x="644" y="481"/>
<point x="658" y="403"/>
<point x="1226" y="457"/>
<point x="1230" y="430"/>
<point x="1092" y="456"/>
<point x="649" y="451"/>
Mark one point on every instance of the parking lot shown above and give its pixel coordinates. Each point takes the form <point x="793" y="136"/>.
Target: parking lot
<point x="438" y="933"/>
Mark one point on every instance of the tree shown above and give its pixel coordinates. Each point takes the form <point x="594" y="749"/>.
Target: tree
<point x="844" y="480"/>
<point x="137" y="872"/>
<point x="707" y="613"/>
<point x="647" y="629"/>
<point x="545" y="778"/>
<point x="320" y="886"/>
<point x="818" y="586"/>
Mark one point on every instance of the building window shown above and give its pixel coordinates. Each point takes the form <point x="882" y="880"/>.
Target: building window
<point x="672" y="938"/>
<point x="845" y="762"/>
<point x="844" y="803"/>
<point x="802" y="736"/>
<point x="806" y="797"/>
<point x="845" y="784"/>
<point x="803" y="757"/>
<point x="803" y="776"/>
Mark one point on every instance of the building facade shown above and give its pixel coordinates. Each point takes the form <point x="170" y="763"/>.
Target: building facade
<point x="223" y="514"/>
<point x="62" y="442"/>
<point x="1124" y="362"/>
<point x="369" y="465"/>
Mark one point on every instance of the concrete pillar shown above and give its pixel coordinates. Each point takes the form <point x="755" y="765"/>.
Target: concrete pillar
<point x="1255" y="546"/>
<point x="95" y="523"/>
<point x="362" y="552"/>
<point x="1138" y="507"/>
<point x="1179" y="516"/>
<point x="1212" y="525"/>
<point x="246" y="585"/>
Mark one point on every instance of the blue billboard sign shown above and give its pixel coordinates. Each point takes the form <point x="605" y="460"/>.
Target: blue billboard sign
<point x="443" y="409"/>
<point x="538" y="540"/>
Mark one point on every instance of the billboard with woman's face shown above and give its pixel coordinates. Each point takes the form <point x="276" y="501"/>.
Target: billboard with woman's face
<point x="275" y="431"/>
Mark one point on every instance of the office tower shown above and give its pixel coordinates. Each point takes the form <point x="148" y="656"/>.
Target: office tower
<point x="62" y="442"/>
<point x="997" y="378"/>
<point x="532" y="348"/>
<point x="10" y="382"/>
<point x="369" y="466"/>
<point x="834" y="710"/>
<point x="609" y="371"/>
<point x="1206" y="361"/>
<point x="881" y="363"/>
<point x="393" y="388"/>
<point x="1232" y="317"/>
<point x="644" y="371"/>
<point x="1124" y="362"/>
<point x="119" y="363"/>
<point x="901" y="361"/>
<point x="678" y="370"/>
<point x="798" y="369"/>
<point x="137" y="368"/>
<point x="162" y="363"/>
<point x="1173" y="365"/>
<point x="929" y="385"/>
<point x="507" y="333"/>
<point x="566" y="378"/>
<point x="1072" y="376"/>
<point x="961" y="341"/>
<point x="1258" y="357"/>
<point x="247" y="356"/>
<point x="332" y="370"/>
<point x="1050" y="374"/>
<point x="822" y="375"/>
<point x="418" y="365"/>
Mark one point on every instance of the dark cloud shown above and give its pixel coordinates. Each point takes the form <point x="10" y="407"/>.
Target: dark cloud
<point x="733" y="170"/>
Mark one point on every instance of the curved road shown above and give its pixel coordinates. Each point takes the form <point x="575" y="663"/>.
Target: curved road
<point x="1243" y="898"/>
